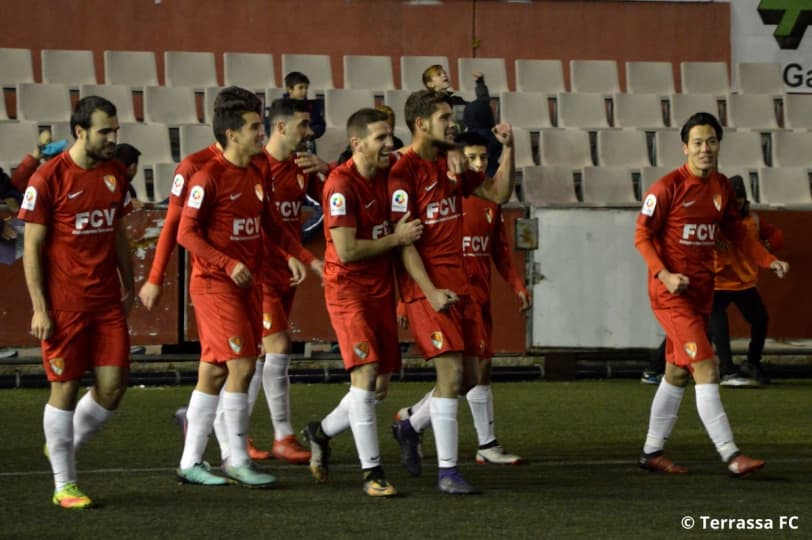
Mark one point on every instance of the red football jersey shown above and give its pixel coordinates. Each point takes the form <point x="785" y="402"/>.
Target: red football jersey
<point x="81" y="209"/>
<point x="434" y="195"/>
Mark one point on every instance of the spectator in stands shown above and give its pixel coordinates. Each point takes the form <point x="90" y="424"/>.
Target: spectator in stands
<point x="128" y="155"/>
<point x="735" y="281"/>
<point x="296" y="87"/>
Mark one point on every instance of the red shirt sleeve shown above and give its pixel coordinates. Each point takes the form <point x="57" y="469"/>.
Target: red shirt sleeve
<point x="22" y="174"/>
<point x="500" y="253"/>
<point x="166" y="244"/>
<point x="650" y="221"/>
<point x="284" y="243"/>
<point x="37" y="201"/>
<point x="470" y="181"/>
<point x="401" y="191"/>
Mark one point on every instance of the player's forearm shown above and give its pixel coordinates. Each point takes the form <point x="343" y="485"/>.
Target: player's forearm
<point x="190" y="238"/>
<point x="32" y="266"/>
<point x="643" y="243"/>
<point x="360" y="249"/>
<point x="416" y="269"/>
<point x="124" y="260"/>
<point x="503" y="178"/>
<point x="166" y="244"/>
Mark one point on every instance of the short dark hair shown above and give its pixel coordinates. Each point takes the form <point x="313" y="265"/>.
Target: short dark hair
<point x="701" y="119"/>
<point x="359" y="121"/>
<point x="431" y="71"/>
<point x="85" y="108"/>
<point x="229" y="106"/>
<point x="470" y="138"/>
<point x="284" y="108"/>
<point x="296" y="77"/>
<point x="126" y="154"/>
<point x="422" y="104"/>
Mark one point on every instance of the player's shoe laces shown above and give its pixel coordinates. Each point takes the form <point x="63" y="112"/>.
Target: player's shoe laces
<point x="200" y="474"/>
<point x="248" y="475"/>
<point x="740" y="465"/>
<point x="70" y="496"/>
<point x="657" y="462"/>
<point x="255" y="453"/>
<point x="180" y="419"/>
<point x="451" y="482"/>
<point x="409" y="441"/>
<point x="376" y="485"/>
<point x="650" y="377"/>
<point x="319" y="450"/>
<point x="289" y="449"/>
<point x="496" y="455"/>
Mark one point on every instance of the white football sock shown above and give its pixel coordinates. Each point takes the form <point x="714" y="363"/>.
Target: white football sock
<point x="220" y="432"/>
<point x="254" y="386"/>
<point x="276" y="383"/>
<point x="199" y="419"/>
<point x="420" y="417"/>
<point x="338" y="420"/>
<point x="480" y="400"/>
<point x="58" y="427"/>
<point x="235" y="411"/>
<point x="364" y="427"/>
<point x="663" y="416"/>
<point x="444" y="424"/>
<point x="712" y="413"/>
<point x="88" y="419"/>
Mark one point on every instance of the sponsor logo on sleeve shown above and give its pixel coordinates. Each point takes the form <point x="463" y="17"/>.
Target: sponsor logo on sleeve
<point x="30" y="198"/>
<point x="338" y="205"/>
<point x="196" y="197"/>
<point x="177" y="185"/>
<point x="110" y="182"/>
<point x="361" y="350"/>
<point x="400" y="201"/>
<point x="649" y="204"/>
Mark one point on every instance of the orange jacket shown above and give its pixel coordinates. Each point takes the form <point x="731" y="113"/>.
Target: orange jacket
<point x="733" y="270"/>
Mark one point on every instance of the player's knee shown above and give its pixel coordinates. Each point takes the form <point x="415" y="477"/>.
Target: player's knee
<point x="278" y="343"/>
<point x="109" y="396"/>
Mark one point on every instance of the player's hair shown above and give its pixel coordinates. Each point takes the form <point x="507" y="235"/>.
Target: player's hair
<point x="229" y="107"/>
<point x="85" y="108"/>
<point x="430" y="72"/>
<point x="285" y="108"/>
<point x="701" y="119"/>
<point x="390" y="113"/>
<point x="422" y="104"/>
<point x="296" y="77"/>
<point x="126" y="154"/>
<point x="358" y="122"/>
<point x="470" y="138"/>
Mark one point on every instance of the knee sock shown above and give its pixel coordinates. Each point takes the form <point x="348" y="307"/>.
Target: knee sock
<point x="338" y="420"/>
<point x="276" y="384"/>
<point x="420" y="417"/>
<point x="235" y="411"/>
<point x="444" y="424"/>
<point x="364" y="427"/>
<point x="88" y="419"/>
<point x="480" y="400"/>
<point x="254" y="386"/>
<point x="58" y="427"/>
<point x="663" y="416"/>
<point x="712" y="413"/>
<point x="220" y="432"/>
<point x="199" y="419"/>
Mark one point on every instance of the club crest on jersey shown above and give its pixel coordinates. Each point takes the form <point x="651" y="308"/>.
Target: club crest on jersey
<point x="29" y="199"/>
<point x="300" y="180"/>
<point x="361" y="350"/>
<point x="400" y="200"/>
<point x="690" y="349"/>
<point x="649" y="204"/>
<point x="177" y="185"/>
<point x="57" y="365"/>
<point x="717" y="202"/>
<point x="266" y="321"/>
<point x="110" y="182"/>
<point x="196" y="197"/>
<point x="437" y="340"/>
<point x="451" y="176"/>
<point x="235" y="342"/>
<point x="259" y="192"/>
<point x="338" y="205"/>
<point x="489" y="215"/>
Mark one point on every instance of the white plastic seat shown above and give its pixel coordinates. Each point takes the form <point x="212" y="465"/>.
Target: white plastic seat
<point x="705" y="78"/>
<point x="608" y="185"/>
<point x="685" y="105"/>
<point x="525" y="109"/>
<point x="565" y="148"/>
<point x="650" y="78"/>
<point x="61" y="130"/>
<point x="340" y="104"/>
<point x="784" y="185"/>
<point x="151" y="139"/>
<point x="253" y="71"/>
<point x="316" y="67"/>
<point x="404" y="135"/>
<point x="330" y="145"/>
<point x="397" y="100"/>
<point x="792" y="149"/>
<point x="17" y="139"/>
<point x="643" y="111"/>
<point x="171" y="105"/>
<point x="412" y="68"/>
<point x="15" y="67"/>
<point x="668" y="148"/>
<point x="522" y="149"/>
<point x="594" y="76"/>
<point x="741" y="149"/>
<point x="193" y="69"/>
<point x="194" y="137"/>
<point x="135" y="69"/>
<point x="209" y="95"/>
<point x="649" y="175"/>
<point x="545" y="76"/>
<point x="492" y="68"/>
<point x="622" y="148"/>
<point x="163" y="174"/>
<point x="43" y="102"/>
<point x="798" y="111"/>
<point x="548" y="186"/>
<point x="759" y="78"/>
<point x="365" y="72"/>
<point x="71" y="68"/>
<point x="3" y="112"/>
<point x="751" y="111"/>
<point x="581" y="110"/>
<point x="745" y="174"/>
<point x="119" y="95"/>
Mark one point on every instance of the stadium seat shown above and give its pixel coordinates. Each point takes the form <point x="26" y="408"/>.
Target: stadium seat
<point x="705" y="78"/>
<point x="759" y="78"/>
<point x="412" y="68"/>
<point x="340" y="104"/>
<point x="622" y="148"/>
<point x="522" y="148"/>
<point x="192" y="69"/>
<point x="608" y="186"/>
<point x="582" y="110"/>
<point x="249" y="70"/>
<point x="71" y="68"/>
<point x="151" y="139"/>
<point x="15" y="67"/>
<point x="798" y="111"/>
<point x="594" y="76"/>
<point x="17" y="139"/>
<point x="194" y="137"/>
<point x="120" y="95"/>
<point x="135" y="69"/>
<point x="668" y="149"/>
<point x="43" y="102"/>
<point x="684" y="105"/>
<point x="650" y="78"/>
<point x="525" y="109"/>
<point x="649" y="175"/>
<point x="171" y="105"/>
<point x="272" y="94"/>
<point x="397" y="99"/>
<point x="545" y="76"/>
<point x="751" y="111"/>
<point x="316" y="67"/>
<point x="61" y="130"/>
<point x="404" y="135"/>
<point x="565" y="148"/>
<point x="792" y="149"/>
<point x="364" y="72"/>
<point x="746" y="176"/>
<point x="3" y="112"/>
<point x="139" y="182"/>
<point x="643" y="111"/>
<point x="163" y="174"/>
<point x="741" y="149"/>
<point x="332" y="143"/>
<point x="209" y="95"/>
<point x="492" y="68"/>
<point x="784" y="186"/>
<point x="548" y="186"/>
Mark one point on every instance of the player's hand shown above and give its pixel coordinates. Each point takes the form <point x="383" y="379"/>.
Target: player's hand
<point x="441" y="299"/>
<point x="780" y="268"/>
<point x="674" y="283"/>
<point x="525" y="299"/>
<point x="149" y="295"/>
<point x="241" y="276"/>
<point x="298" y="271"/>
<point x="457" y="163"/>
<point x="318" y="268"/>
<point x="311" y="163"/>
<point x="41" y="325"/>
<point x="127" y="300"/>
<point x="478" y="75"/>
<point x="503" y="134"/>
<point x="7" y="232"/>
<point x="408" y="232"/>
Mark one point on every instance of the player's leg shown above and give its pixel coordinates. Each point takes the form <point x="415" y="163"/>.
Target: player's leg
<point x="719" y="330"/>
<point x="480" y="401"/>
<point x="752" y="309"/>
